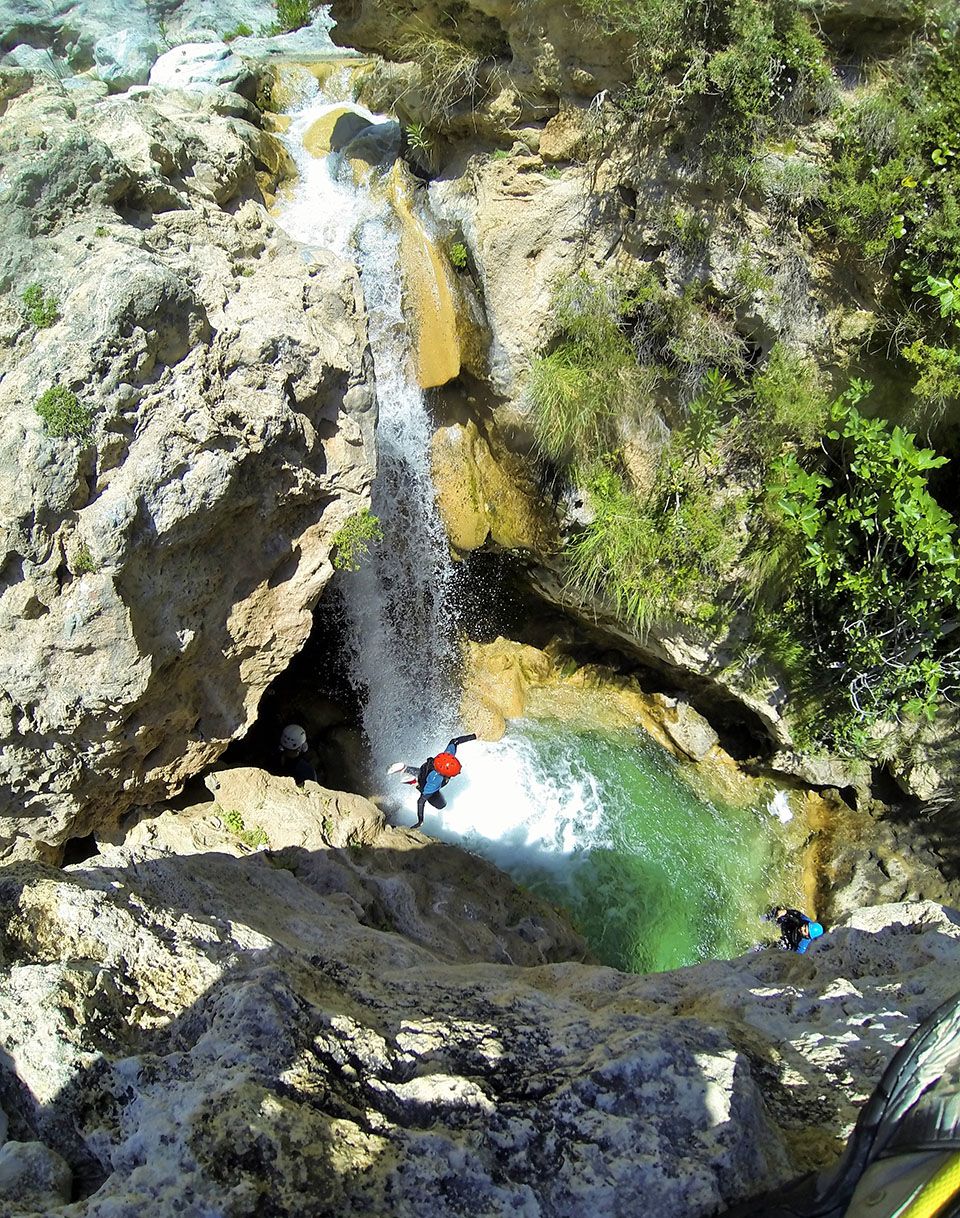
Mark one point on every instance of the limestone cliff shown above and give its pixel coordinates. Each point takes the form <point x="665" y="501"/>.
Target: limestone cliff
<point x="377" y="1029"/>
<point x="162" y="547"/>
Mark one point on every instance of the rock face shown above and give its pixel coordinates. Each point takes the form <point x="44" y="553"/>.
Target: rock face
<point x="159" y="567"/>
<point x="116" y="43"/>
<point x="297" y="1032"/>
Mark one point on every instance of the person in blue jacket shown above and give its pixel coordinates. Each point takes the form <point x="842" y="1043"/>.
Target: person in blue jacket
<point x="797" y="931"/>
<point x="435" y="773"/>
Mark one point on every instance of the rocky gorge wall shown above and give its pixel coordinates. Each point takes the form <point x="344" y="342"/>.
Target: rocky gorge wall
<point x="158" y="566"/>
<point x="263" y="1000"/>
<point x="542" y="179"/>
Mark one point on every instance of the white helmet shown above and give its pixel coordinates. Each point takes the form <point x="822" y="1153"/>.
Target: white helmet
<point x="293" y="738"/>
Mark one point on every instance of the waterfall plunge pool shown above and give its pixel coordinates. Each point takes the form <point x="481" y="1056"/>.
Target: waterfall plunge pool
<point x="604" y="823"/>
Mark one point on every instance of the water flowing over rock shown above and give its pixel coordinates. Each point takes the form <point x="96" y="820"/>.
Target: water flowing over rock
<point x="222" y="1030"/>
<point x="158" y="569"/>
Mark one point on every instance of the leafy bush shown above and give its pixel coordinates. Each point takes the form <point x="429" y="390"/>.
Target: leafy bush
<point x="41" y="311"/>
<point x="790" y="405"/>
<point x="293" y="15"/>
<point x="744" y="61"/>
<point x="882" y="574"/>
<point x="353" y="539"/>
<point x="457" y="253"/>
<point x="63" y="414"/>
<point x="662" y="555"/>
<point x="938" y="373"/>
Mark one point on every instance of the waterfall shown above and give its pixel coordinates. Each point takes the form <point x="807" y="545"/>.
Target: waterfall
<point x="599" y="820"/>
<point x="398" y="605"/>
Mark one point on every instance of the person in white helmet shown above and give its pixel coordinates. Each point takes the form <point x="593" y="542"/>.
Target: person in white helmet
<point x="293" y="760"/>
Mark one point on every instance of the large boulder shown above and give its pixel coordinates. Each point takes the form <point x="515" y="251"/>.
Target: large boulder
<point x="226" y="1031"/>
<point x="158" y="568"/>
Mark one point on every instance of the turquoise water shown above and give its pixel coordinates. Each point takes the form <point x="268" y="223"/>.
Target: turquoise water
<point x="603" y="824"/>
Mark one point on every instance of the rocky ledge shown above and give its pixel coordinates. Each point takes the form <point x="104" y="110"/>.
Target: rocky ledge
<point x="197" y="1027"/>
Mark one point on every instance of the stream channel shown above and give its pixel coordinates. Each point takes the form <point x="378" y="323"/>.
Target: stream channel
<point x="597" y="818"/>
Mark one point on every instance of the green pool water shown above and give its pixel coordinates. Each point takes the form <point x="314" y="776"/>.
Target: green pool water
<point x="605" y="824"/>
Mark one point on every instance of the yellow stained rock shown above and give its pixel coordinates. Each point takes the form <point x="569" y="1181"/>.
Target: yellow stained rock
<point x="481" y="496"/>
<point x="428" y="298"/>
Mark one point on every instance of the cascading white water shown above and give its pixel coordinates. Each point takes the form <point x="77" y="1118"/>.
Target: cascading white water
<point x="599" y="821"/>
<point x="398" y="604"/>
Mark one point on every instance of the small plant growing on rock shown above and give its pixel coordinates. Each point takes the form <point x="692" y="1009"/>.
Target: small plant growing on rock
<point x="63" y="414"/>
<point x="41" y="310"/>
<point x="100" y="231"/>
<point x="353" y="539"/>
<point x="458" y="255"/>
<point x="82" y="562"/>
<point x="293" y="14"/>
<point x="241" y="30"/>
<point x="253" y="838"/>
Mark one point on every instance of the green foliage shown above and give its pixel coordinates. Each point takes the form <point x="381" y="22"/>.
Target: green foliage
<point x="662" y="555"/>
<point x="293" y="14"/>
<point x="590" y="381"/>
<point x="946" y="292"/>
<point x="707" y="413"/>
<point x="457" y="253"/>
<point x="938" y="373"/>
<point x="82" y="562"/>
<point x="746" y="62"/>
<point x="882" y="574"/>
<point x="41" y="311"/>
<point x="253" y="838"/>
<point x="894" y="190"/>
<point x="790" y="406"/>
<point x="241" y="30"/>
<point x="100" y="231"/>
<point x="353" y="539"/>
<point x="63" y="414"/>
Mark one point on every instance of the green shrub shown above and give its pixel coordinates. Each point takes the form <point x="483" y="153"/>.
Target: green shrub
<point x="938" y="373"/>
<point x="353" y="539"/>
<point x="590" y="382"/>
<point x="241" y="30"/>
<point x="882" y="578"/>
<point x="41" y="311"/>
<point x="63" y="414"/>
<point x="708" y="414"/>
<point x="293" y="14"/>
<point x="745" y="62"/>
<point x="790" y="405"/>
<point x="665" y="555"/>
<point x="253" y="838"/>
<point x="82" y="562"/>
<point x="457" y="253"/>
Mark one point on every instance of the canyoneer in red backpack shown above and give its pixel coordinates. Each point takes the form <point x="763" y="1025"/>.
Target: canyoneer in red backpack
<point x="435" y="773"/>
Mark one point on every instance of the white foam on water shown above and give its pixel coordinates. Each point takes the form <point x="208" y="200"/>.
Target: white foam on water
<point x="779" y="807"/>
<point x="506" y="805"/>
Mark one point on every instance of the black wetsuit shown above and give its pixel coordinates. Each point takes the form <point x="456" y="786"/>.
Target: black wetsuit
<point x="791" y="923"/>
<point x="429" y="780"/>
<point x="297" y="766"/>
